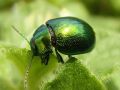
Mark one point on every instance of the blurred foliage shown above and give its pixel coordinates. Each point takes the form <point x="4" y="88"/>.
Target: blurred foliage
<point x="101" y="66"/>
<point x="103" y="7"/>
<point x="6" y="4"/>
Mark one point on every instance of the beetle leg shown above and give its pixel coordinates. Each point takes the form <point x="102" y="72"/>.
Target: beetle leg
<point x="42" y="58"/>
<point x="69" y="56"/>
<point x="60" y="59"/>
<point x="45" y="58"/>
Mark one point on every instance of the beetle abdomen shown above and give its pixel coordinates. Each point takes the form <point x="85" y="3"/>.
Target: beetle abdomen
<point x="76" y="44"/>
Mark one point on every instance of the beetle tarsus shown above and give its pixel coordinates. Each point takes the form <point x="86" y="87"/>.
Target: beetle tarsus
<point x="69" y="56"/>
<point x="45" y="58"/>
<point x="60" y="59"/>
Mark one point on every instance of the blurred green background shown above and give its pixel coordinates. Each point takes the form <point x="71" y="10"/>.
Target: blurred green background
<point x="27" y="15"/>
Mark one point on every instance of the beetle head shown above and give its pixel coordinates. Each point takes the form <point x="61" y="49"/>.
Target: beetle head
<point x="33" y="47"/>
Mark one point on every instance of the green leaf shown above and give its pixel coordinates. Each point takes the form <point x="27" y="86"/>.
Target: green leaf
<point x="12" y="66"/>
<point x="112" y="81"/>
<point x="16" y="59"/>
<point x="70" y="76"/>
<point x="74" y="76"/>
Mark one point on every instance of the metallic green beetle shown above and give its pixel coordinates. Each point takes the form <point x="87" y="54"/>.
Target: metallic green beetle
<point x="68" y="35"/>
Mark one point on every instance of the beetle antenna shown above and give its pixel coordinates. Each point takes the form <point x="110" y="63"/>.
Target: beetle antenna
<point x="27" y="74"/>
<point x="20" y="34"/>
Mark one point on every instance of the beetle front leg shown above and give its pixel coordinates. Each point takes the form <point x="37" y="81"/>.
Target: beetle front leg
<point x="59" y="57"/>
<point x="69" y="56"/>
<point x="44" y="58"/>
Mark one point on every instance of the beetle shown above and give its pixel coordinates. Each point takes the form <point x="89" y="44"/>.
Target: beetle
<point x="67" y="35"/>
